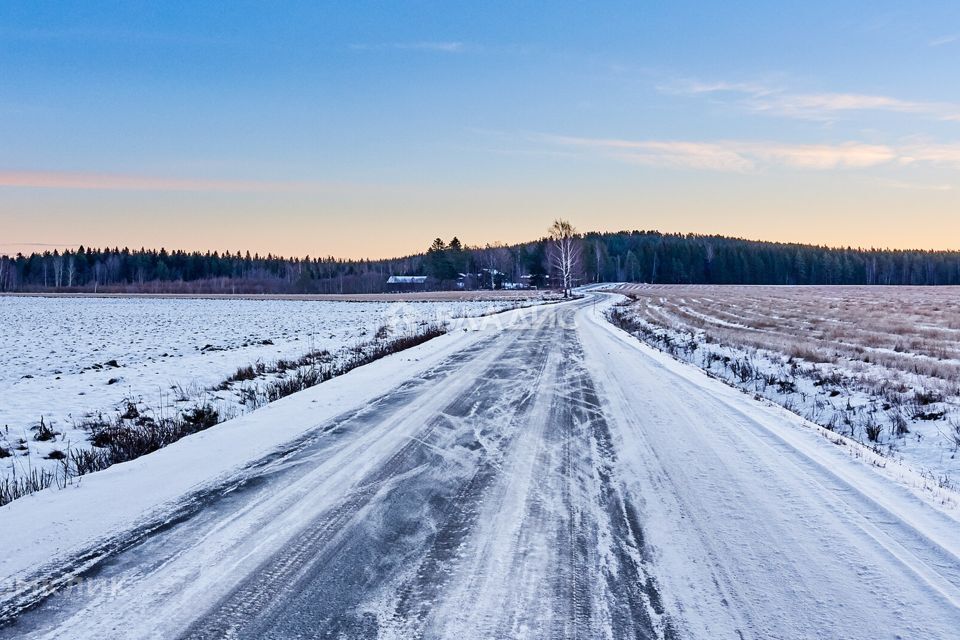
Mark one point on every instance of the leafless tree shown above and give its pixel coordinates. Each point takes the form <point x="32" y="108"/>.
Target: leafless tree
<point x="98" y="274"/>
<point x="57" y="269"/>
<point x="112" y="271"/>
<point x="565" y="253"/>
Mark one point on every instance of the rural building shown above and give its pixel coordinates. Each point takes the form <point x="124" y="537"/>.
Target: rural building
<point x="400" y="284"/>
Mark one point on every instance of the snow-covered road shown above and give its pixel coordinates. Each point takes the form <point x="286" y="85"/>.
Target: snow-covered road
<point x="551" y="479"/>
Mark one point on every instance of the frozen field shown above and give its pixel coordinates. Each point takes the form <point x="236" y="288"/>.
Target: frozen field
<point x="880" y="365"/>
<point x="559" y="479"/>
<point x="70" y="361"/>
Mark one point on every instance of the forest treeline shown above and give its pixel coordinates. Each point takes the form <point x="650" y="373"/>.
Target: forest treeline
<point x="635" y="256"/>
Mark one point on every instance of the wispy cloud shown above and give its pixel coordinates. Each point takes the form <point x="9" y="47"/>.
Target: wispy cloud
<point x="670" y="153"/>
<point x="123" y="182"/>
<point x="846" y="155"/>
<point x="730" y="155"/>
<point x="942" y="40"/>
<point x="698" y="87"/>
<point x="439" y="47"/>
<point x="941" y="155"/>
<point x="812" y="106"/>
<point x="914" y="186"/>
<point x="37" y="244"/>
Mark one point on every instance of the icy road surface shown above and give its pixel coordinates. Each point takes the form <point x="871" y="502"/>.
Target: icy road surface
<point x="550" y="480"/>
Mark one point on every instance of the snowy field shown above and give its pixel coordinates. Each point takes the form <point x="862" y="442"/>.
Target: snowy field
<point x="71" y="362"/>
<point x="880" y="365"/>
<point x="558" y="479"/>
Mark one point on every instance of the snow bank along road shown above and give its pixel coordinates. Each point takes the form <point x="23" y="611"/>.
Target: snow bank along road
<point x="552" y="479"/>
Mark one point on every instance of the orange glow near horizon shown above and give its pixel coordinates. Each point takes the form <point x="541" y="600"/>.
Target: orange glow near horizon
<point x="379" y="224"/>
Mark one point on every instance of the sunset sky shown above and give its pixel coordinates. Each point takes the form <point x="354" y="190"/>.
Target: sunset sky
<point x="365" y="129"/>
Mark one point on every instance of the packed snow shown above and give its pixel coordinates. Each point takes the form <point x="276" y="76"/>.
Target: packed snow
<point x="70" y="361"/>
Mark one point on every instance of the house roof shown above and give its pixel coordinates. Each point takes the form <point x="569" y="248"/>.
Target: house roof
<point x="407" y="280"/>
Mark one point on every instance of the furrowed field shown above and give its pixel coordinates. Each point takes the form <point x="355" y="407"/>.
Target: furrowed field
<point x="880" y="365"/>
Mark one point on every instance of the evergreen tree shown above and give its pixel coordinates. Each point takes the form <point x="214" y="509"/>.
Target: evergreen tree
<point x="643" y="256"/>
<point x="438" y="262"/>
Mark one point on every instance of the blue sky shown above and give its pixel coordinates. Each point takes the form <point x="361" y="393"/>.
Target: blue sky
<point x="368" y="128"/>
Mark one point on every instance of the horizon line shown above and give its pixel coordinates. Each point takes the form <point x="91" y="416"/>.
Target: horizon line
<point x="490" y="245"/>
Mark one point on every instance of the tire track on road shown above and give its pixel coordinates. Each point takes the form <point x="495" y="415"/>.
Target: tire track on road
<point x="416" y="504"/>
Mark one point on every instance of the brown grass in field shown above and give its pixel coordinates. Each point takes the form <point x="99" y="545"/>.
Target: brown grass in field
<point x="897" y="335"/>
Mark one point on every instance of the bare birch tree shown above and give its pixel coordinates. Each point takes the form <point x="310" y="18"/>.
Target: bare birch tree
<point x="565" y="253"/>
<point x="57" y="269"/>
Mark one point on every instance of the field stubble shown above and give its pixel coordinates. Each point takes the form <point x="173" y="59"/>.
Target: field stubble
<point x="880" y="365"/>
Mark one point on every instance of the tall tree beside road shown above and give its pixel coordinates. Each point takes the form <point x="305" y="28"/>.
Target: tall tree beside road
<point x="565" y="253"/>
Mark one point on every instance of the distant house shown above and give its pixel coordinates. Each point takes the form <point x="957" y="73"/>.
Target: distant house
<point x="400" y="284"/>
<point x="488" y="279"/>
<point x="535" y="280"/>
<point x="491" y="278"/>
